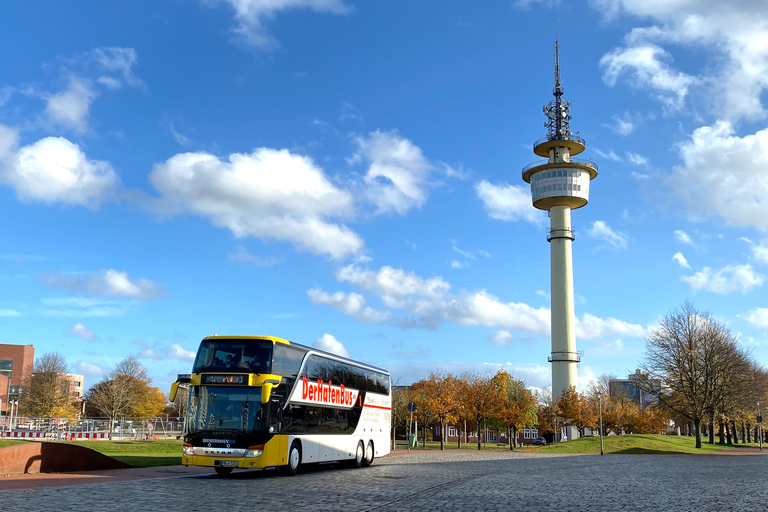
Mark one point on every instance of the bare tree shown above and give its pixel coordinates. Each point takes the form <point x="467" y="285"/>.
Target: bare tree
<point x="112" y="398"/>
<point x="131" y="367"/>
<point x="691" y="363"/>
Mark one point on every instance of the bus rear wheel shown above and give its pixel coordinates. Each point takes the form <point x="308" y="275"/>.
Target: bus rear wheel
<point x="294" y="459"/>
<point x="357" y="462"/>
<point x="368" y="459"/>
<point x="221" y="471"/>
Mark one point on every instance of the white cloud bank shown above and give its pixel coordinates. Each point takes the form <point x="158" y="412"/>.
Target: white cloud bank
<point x="272" y="194"/>
<point x="416" y="302"/>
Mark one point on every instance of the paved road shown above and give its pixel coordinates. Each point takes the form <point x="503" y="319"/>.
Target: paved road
<point x="441" y="482"/>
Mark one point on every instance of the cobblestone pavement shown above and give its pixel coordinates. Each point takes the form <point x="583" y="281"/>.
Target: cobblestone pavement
<point x="441" y="482"/>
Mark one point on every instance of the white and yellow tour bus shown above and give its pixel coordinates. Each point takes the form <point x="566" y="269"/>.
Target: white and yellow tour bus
<point x="262" y="401"/>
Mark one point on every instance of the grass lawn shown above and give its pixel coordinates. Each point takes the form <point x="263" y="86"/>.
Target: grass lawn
<point x="140" y="454"/>
<point x="634" y="444"/>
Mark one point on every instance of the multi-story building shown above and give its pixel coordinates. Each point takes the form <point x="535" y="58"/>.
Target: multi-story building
<point x="16" y="366"/>
<point x="630" y="388"/>
<point x="72" y="385"/>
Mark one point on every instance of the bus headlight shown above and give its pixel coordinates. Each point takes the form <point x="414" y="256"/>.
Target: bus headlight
<point x="188" y="449"/>
<point x="254" y="451"/>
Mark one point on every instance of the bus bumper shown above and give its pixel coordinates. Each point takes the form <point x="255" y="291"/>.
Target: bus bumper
<point x="205" y="461"/>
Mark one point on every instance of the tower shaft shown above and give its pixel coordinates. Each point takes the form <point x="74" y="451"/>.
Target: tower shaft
<point x="564" y="357"/>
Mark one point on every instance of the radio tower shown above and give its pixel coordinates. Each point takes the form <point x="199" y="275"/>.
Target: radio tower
<point x="559" y="185"/>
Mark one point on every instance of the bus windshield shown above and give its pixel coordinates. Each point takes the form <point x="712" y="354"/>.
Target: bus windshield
<point x="233" y="409"/>
<point x="253" y="356"/>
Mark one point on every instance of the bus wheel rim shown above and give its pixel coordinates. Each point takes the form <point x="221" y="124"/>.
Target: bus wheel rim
<point x="294" y="458"/>
<point x="359" y="454"/>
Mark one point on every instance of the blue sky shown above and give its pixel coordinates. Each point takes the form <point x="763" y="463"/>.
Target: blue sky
<point x="348" y="174"/>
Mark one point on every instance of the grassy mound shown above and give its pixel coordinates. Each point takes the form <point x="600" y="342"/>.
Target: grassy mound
<point x="634" y="444"/>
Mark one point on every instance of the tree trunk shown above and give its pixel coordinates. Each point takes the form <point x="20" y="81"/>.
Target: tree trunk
<point x="721" y="432"/>
<point x="735" y="431"/>
<point x="697" y="428"/>
<point x="442" y="435"/>
<point x="744" y="436"/>
<point x="458" y="433"/>
<point x="509" y="438"/>
<point x="749" y="432"/>
<point x="514" y="435"/>
<point x="728" y="437"/>
<point x="424" y="435"/>
<point x="478" y="434"/>
<point x="712" y="428"/>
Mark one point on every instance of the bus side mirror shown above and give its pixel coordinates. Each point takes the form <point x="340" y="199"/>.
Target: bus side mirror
<point x="174" y="390"/>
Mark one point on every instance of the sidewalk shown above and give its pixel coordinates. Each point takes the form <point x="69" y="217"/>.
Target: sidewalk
<point x="40" y="480"/>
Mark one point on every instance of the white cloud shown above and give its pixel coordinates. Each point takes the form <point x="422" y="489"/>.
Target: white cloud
<point x="622" y="125"/>
<point x="684" y="238"/>
<point x="501" y="338"/>
<point x="393" y="281"/>
<point x="80" y="331"/>
<point x="592" y="327"/>
<point x="90" y="369"/>
<point x="81" y="307"/>
<point x="731" y="278"/>
<point x="270" y="194"/>
<point x="149" y="353"/>
<point x="9" y="312"/>
<point x="458" y="264"/>
<point x="179" y="353"/>
<point x="250" y="16"/>
<point x="69" y="108"/>
<point x="397" y="173"/>
<point x="330" y="344"/>
<point x="760" y="253"/>
<point x="648" y="66"/>
<point x="680" y="259"/>
<point x="109" y="82"/>
<point x="602" y="231"/>
<point x="758" y="318"/>
<point x="352" y="305"/>
<point x="108" y="283"/>
<point x="508" y="202"/>
<point x="241" y="255"/>
<point x="610" y="155"/>
<point x="54" y="170"/>
<point x="119" y="61"/>
<point x="724" y="174"/>
<point x="636" y="159"/>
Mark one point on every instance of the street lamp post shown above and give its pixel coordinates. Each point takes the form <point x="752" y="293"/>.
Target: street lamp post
<point x="600" y="413"/>
<point x="759" y="426"/>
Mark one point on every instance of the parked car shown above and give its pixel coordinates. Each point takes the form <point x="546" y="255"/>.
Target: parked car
<point x="539" y="441"/>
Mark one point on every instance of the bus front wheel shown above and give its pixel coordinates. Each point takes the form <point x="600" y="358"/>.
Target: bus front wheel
<point x="294" y="459"/>
<point x="223" y="471"/>
<point x="368" y="459"/>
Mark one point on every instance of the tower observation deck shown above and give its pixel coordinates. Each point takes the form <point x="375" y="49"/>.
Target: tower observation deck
<point x="560" y="184"/>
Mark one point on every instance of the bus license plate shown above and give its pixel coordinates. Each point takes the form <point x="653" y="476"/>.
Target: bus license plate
<point x="229" y="463"/>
